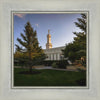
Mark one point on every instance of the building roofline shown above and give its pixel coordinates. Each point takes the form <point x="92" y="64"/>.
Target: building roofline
<point x="54" y="48"/>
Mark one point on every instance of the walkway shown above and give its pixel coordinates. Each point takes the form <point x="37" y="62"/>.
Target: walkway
<point x="69" y="68"/>
<point x="50" y="67"/>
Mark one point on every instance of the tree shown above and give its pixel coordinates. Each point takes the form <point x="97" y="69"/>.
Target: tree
<point x="71" y="51"/>
<point x="82" y="23"/>
<point x="80" y="38"/>
<point x="77" y="48"/>
<point x="29" y="51"/>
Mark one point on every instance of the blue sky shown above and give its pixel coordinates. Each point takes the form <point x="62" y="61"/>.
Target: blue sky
<point x="61" y="27"/>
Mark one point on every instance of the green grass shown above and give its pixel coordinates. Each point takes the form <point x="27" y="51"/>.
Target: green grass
<point x="48" y="77"/>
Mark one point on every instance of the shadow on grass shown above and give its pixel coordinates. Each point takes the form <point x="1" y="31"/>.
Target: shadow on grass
<point x="81" y="82"/>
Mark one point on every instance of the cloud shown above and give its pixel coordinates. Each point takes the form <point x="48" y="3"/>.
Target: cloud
<point x="19" y="15"/>
<point x="37" y="25"/>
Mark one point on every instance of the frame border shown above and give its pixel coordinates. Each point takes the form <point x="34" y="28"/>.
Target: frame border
<point x="49" y="87"/>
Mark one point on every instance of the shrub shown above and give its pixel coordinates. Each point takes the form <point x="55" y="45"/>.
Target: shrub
<point x="48" y="63"/>
<point x="62" y="64"/>
<point x="80" y="70"/>
<point x="54" y="65"/>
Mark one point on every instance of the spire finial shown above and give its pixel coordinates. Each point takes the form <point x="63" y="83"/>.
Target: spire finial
<point x="48" y="31"/>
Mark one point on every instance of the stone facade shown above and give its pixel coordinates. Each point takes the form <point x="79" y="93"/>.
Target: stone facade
<point x="52" y="53"/>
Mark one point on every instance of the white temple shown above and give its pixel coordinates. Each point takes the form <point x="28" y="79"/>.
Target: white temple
<point x="52" y="53"/>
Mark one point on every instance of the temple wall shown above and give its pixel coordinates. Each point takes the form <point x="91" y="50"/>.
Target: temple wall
<point x="54" y="53"/>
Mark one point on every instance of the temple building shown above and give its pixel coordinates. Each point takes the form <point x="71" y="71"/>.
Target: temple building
<point x="52" y="53"/>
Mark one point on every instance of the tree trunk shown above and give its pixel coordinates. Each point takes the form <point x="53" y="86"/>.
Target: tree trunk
<point x="30" y="65"/>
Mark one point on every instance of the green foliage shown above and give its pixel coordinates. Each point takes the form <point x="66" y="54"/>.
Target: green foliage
<point x="82" y="22"/>
<point x="77" y="49"/>
<point x="71" y="51"/>
<point x="49" y="62"/>
<point x="62" y="64"/>
<point x="29" y="50"/>
<point x="54" y="65"/>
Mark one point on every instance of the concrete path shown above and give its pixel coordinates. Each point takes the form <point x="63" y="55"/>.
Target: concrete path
<point x="45" y="67"/>
<point x="50" y="67"/>
<point x="69" y="68"/>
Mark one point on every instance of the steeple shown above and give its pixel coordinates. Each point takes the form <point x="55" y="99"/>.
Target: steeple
<point x="48" y="44"/>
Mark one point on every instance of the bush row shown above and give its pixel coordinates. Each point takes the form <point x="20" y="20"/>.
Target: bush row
<point x="57" y="64"/>
<point x="24" y="63"/>
<point x="53" y="63"/>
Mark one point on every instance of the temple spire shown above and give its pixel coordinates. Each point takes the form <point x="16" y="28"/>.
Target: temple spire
<point x="48" y="31"/>
<point x="48" y="44"/>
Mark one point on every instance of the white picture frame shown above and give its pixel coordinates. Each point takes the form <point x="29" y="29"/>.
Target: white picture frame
<point x="49" y="87"/>
<point x="8" y="93"/>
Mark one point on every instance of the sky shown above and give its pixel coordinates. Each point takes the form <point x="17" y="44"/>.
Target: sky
<point x="61" y="27"/>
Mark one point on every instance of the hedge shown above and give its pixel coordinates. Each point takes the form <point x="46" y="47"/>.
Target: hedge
<point x="60" y="63"/>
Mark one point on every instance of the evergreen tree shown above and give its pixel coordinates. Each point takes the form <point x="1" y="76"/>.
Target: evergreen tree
<point x="80" y="38"/>
<point x="29" y="51"/>
<point x="82" y="22"/>
<point x="77" y="48"/>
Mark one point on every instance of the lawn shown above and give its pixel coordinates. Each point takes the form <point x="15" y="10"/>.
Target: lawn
<point x="48" y="77"/>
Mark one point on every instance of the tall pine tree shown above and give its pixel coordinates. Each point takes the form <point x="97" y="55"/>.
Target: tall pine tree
<point x="29" y="49"/>
<point x="77" y="48"/>
<point x="80" y="38"/>
<point x="82" y="22"/>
